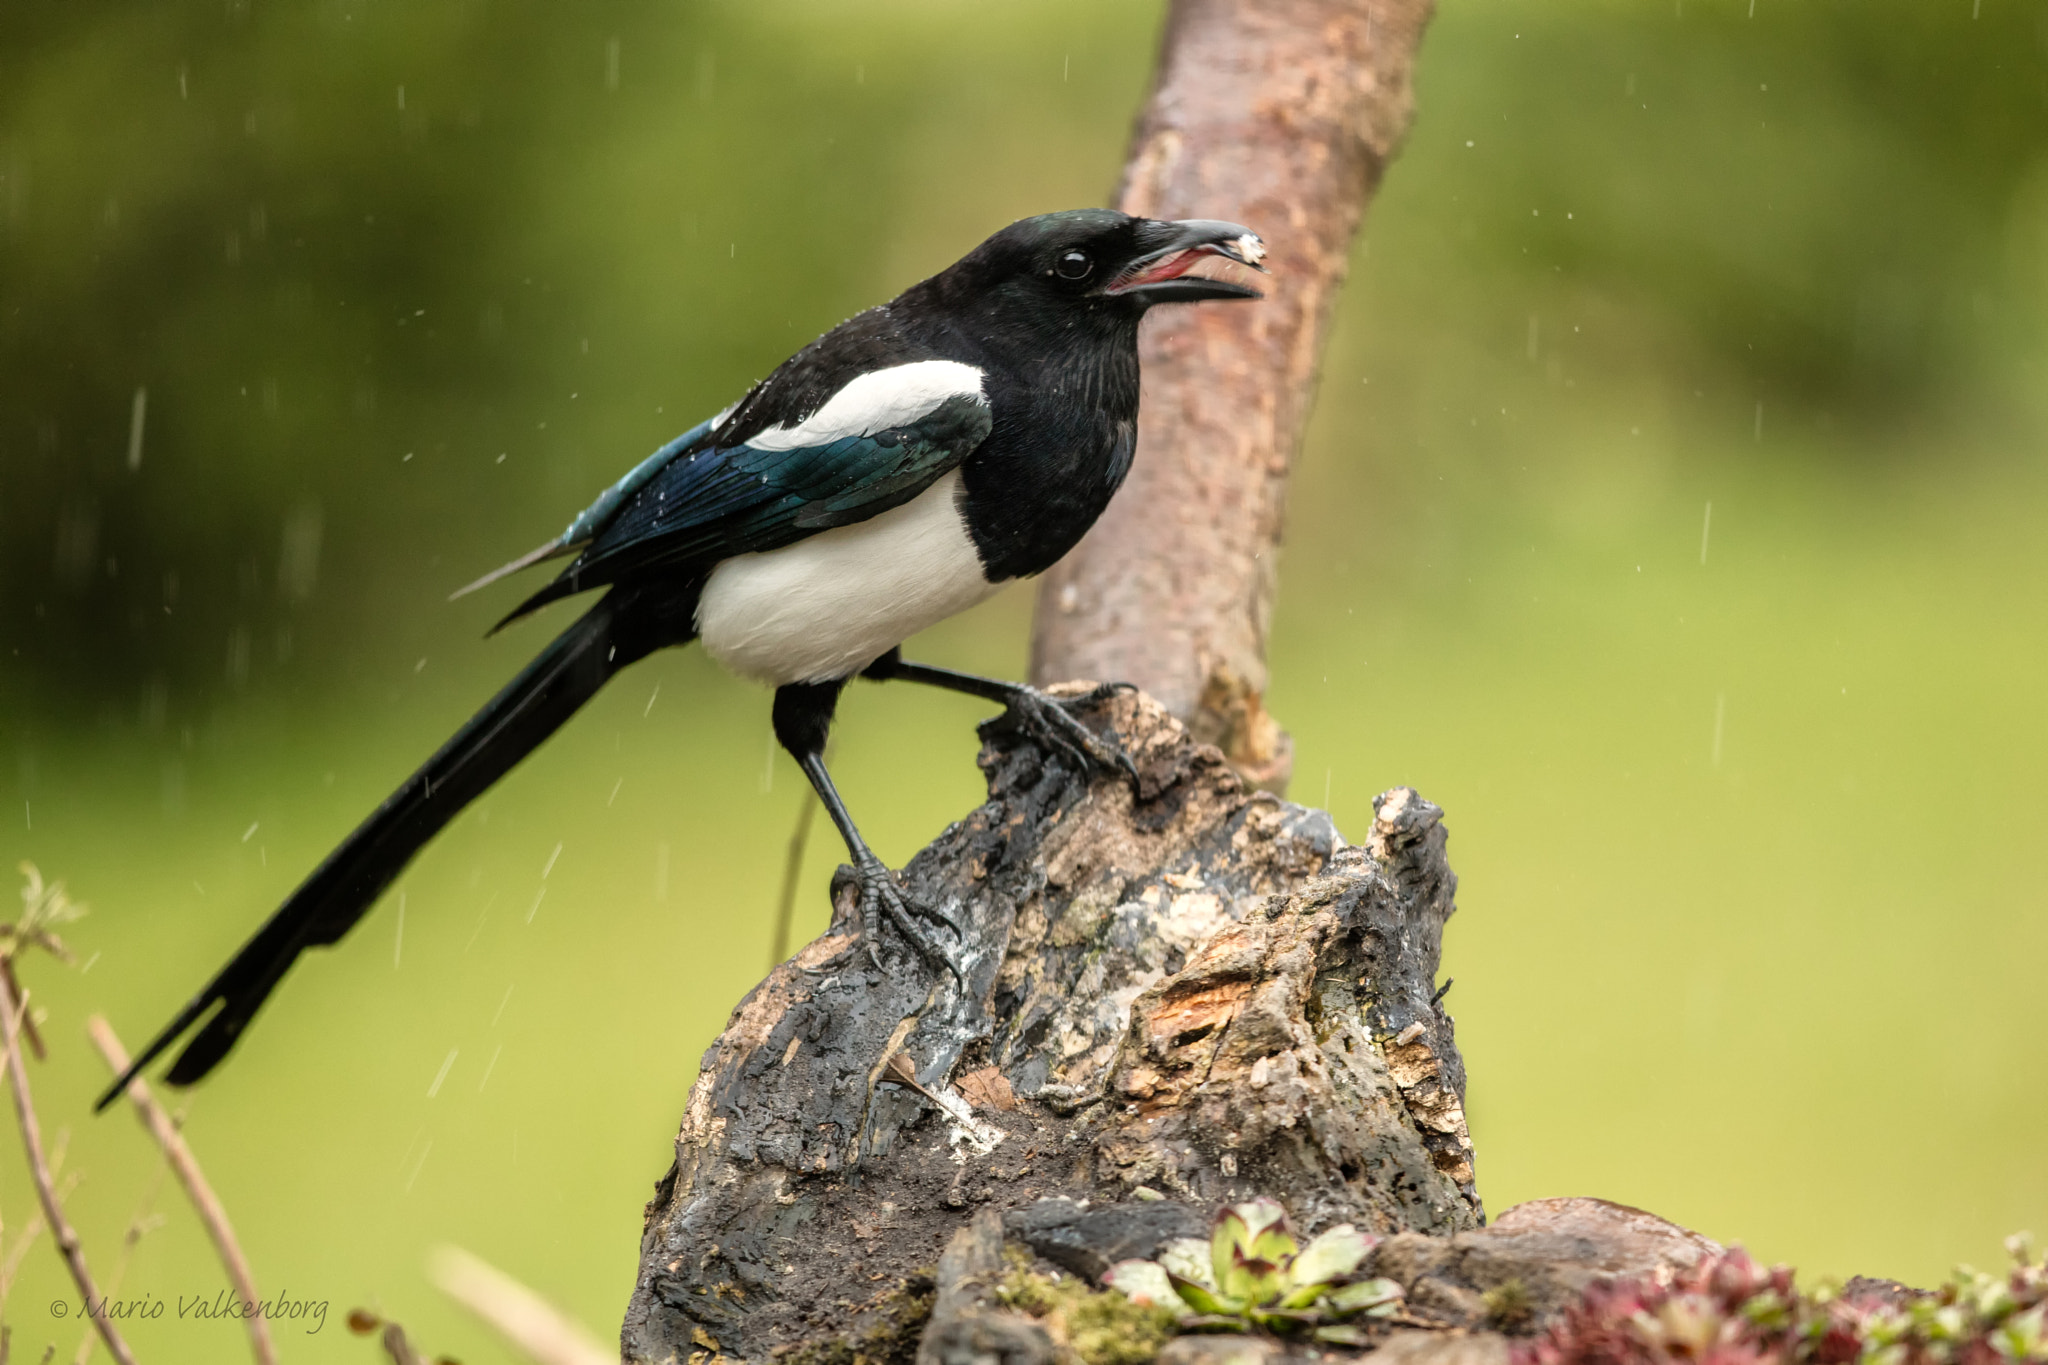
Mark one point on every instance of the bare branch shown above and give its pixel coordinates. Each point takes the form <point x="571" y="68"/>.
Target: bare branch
<point x="46" y="1189"/>
<point x="143" y="1221"/>
<point x="10" y="1265"/>
<point x="521" y="1316"/>
<point x="792" y="869"/>
<point x="1282" y="115"/>
<point x="186" y="1167"/>
<point x="28" y="1022"/>
<point x="398" y="1347"/>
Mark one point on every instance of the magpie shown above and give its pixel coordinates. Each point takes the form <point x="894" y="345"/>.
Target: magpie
<point x="897" y="470"/>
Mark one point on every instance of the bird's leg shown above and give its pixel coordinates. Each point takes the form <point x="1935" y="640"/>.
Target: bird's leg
<point x="803" y="718"/>
<point x="1046" y="719"/>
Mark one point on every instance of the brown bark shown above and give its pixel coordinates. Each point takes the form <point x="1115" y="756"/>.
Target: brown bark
<point x="1282" y="115"/>
<point x="1182" y="985"/>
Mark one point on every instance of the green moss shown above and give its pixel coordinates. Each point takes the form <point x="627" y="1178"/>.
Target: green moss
<point x="1108" y="1329"/>
<point x="1100" y="1326"/>
<point x="1509" y="1306"/>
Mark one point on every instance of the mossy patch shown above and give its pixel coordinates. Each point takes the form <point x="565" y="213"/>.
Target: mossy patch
<point x="1100" y="1326"/>
<point x="1510" y="1307"/>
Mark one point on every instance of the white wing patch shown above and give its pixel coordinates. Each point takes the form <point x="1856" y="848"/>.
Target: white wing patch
<point x="723" y="413"/>
<point x="833" y="603"/>
<point x="878" y="400"/>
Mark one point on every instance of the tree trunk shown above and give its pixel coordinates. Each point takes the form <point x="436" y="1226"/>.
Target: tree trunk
<point x="1179" y="987"/>
<point x="1282" y="115"/>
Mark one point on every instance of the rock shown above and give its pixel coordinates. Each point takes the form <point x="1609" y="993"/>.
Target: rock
<point x="1534" y="1260"/>
<point x="1088" y="1241"/>
<point x="1222" y="1350"/>
<point x="1619" y="1239"/>
<point x="1443" y="1348"/>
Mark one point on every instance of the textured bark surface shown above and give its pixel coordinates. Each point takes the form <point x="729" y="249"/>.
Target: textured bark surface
<point x="1282" y="115"/>
<point x="1185" y="985"/>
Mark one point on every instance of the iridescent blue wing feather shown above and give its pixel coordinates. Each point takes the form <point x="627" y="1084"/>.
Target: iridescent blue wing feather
<point x="875" y="444"/>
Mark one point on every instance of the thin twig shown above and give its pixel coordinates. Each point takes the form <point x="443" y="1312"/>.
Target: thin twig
<point x="10" y="1268"/>
<point x="398" y="1347"/>
<point x="186" y="1167"/>
<point x="140" y="1224"/>
<point x="793" y="864"/>
<point x="46" y="1190"/>
<point x="28" y="1021"/>
<point x="521" y="1316"/>
<point x="10" y="1265"/>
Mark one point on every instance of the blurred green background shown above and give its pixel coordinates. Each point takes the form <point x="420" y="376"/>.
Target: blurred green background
<point x="1673" y="515"/>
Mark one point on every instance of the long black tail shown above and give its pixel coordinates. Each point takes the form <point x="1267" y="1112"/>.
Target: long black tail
<point x="623" y="627"/>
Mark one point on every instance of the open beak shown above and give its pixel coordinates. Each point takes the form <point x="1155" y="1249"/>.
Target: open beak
<point x="1160" y="276"/>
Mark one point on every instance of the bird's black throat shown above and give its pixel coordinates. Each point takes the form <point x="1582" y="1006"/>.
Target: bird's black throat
<point x="1066" y="410"/>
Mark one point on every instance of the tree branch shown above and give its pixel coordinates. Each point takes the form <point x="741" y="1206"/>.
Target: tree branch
<point x="46" y="1191"/>
<point x="1282" y="115"/>
<point x="522" y="1317"/>
<point x="186" y="1166"/>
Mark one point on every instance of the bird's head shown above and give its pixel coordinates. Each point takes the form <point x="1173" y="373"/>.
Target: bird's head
<point x="1099" y="260"/>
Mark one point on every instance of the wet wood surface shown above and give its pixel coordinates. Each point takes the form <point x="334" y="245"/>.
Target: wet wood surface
<point x="1179" y="987"/>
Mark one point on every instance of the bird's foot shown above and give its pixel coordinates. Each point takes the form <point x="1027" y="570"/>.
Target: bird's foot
<point x="882" y="898"/>
<point x="1051" y="721"/>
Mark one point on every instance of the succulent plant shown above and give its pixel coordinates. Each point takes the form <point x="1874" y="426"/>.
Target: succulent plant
<point x="1253" y="1275"/>
<point x="1729" y="1311"/>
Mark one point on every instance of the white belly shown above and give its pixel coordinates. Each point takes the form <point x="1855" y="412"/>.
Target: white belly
<point x="829" y="606"/>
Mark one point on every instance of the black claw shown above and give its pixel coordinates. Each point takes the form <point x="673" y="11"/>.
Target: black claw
<point x="879" y="893"/>
<point x="1051" y="722"/>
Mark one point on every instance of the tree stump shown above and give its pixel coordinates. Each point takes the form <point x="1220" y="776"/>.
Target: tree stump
<point x="1178" y="992"/>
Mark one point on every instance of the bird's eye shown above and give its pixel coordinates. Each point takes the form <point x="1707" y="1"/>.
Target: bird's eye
<point x="1074" y="265"/>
